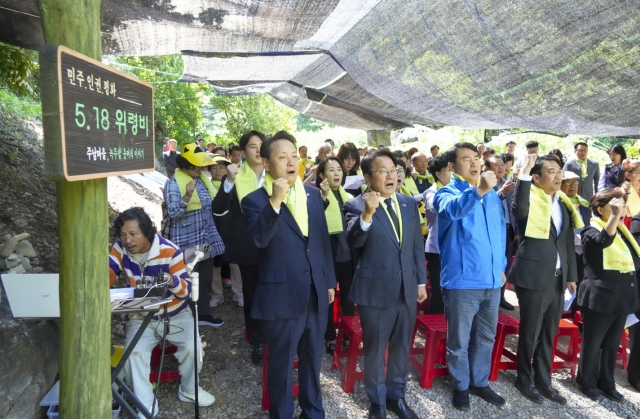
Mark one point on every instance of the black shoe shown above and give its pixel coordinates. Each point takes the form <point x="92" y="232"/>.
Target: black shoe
<point x="331" y="348"/>
<point x="506" y="305"/>
<point x="592" y="393"/>
<point x="345" y="342"/>
<point x="377" y="411"/>
<point x="613" y="395"/>
<point x="209" y="320"/>
<point x="400" y="408"/>
<point x="530" y="392"/>
<point x="257" y="355"/>
<point x="460" y="399"/>
<point x="551" y="394"/>
<point x="488" y="395"/>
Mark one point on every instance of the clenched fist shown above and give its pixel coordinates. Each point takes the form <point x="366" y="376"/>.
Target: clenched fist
<point x="371" y="204"/>
<point x="531" y="161"/>
<point x="191" y="186"/>
<point x="487" y="181"/>
<point x="232" y="171"/>
<point x="280" y="189"/>
<point x="324" y="189"/>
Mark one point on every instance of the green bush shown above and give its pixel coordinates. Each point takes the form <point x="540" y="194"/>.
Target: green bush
<point x="24" y="107"/>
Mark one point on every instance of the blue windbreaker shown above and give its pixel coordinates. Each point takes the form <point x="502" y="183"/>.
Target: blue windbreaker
<point x="472" y="237"/>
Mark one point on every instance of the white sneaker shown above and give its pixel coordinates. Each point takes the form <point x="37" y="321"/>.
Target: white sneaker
<point x="204" y="398"/>
<point x="239" y="300"/>
<point x="215" y="301"/>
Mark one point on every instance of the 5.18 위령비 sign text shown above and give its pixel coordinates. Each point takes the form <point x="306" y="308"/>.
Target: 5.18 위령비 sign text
<point x="98" y="121"/>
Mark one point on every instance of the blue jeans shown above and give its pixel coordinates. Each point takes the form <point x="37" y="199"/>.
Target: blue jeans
<point x="472" y="316"/>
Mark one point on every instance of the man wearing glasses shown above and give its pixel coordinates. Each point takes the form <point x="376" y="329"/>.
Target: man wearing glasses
<point x="384" y="228"/>
<point x="545" y="265"/>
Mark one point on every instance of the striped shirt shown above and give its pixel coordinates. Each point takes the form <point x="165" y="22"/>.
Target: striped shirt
<point x="163" y="256"/>
<point x="192" y="228"/>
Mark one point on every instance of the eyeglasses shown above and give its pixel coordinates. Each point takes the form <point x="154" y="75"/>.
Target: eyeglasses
<point x="129" y="237"/>
<point x="571" y="182"/>
<point x="385" y="172"/>
<point x="554" y="172"/>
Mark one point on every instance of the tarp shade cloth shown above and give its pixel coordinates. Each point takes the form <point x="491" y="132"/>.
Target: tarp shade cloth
<point x="569" y="66"/>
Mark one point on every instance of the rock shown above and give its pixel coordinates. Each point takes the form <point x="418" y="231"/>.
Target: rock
<point x="25" y="248"/>
<point x="26" y="264"/>
<point x="22" y="236"/>
<point x="8" y="247"/>
<point x="17" y="270"/>
<point x="12" y="261"/>
<point x="29" y="363"/>
<point x="20" y="222"/>
<point x="35" y="261"/>
<point x="39" y="270"/>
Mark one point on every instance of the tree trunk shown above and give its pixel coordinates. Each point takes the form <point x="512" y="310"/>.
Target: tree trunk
<point x="377" y="138"/>
<point x="85" y="390"/>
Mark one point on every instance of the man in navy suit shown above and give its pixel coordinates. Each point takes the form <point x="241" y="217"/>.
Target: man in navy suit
<point x="384" y="229"/>
<point x="296" y="281"/>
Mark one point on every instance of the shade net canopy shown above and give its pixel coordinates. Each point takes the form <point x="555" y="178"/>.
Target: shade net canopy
<point x="569" y="66"/>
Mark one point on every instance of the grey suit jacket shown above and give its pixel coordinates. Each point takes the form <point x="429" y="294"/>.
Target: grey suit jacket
<point x="589" y="185"/>
<point x="535" y="263"/>
<point x="384" y="266"/>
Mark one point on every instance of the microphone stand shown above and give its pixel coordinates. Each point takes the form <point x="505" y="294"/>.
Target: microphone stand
<point x="195" y="293"/>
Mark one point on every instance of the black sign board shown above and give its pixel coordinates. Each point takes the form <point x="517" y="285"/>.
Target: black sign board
<point x="104" y="118"/>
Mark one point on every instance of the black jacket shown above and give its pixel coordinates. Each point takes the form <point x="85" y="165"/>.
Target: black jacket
<point x="535" y="264"/>
<point x="603" y="290"/>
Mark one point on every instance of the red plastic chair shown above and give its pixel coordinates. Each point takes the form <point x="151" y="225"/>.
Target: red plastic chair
<point x="348" y="326"/>
<point x="507" y="325"/>
<point x="569" y="359"/>
<point x="434" y="329"/>
<point x="165" y="376"/>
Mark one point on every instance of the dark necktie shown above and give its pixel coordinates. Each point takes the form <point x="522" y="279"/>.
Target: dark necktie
<point x="392" y="214"/>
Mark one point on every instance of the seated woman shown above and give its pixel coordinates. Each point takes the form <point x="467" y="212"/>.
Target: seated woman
<point x="607" y="294"/>
<point x="141" y="252"/>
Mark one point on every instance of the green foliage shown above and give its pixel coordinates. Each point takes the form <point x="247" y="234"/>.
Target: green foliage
<point x="19" y="71"/>
<point x="254" y="112"/>
<point x="24" y="108"/>
<point x="306" y="123"/>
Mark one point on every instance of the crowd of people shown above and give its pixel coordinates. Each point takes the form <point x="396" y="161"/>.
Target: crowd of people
<point x="286" y="232"/>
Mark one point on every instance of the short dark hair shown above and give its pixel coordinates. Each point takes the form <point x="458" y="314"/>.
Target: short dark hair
<point x="323" y="165"/>
<point x="184" y="164"/>
<point x="234" y="148"/>
<point x="144" y="222"/>
<point x="506" y="157"/>
<point x="489" y="150"/>
<point x="366" y="165"/>
<point x="531" y="144"/>
<point x="537" y="168"/>
<point x="603" y="197"/>
<point x="301" y="147"/>
<point x="559" y="154"/>
<point x="328" y="140"/>
<point x="492" y="158"/>
<point x="511" y="142"/>
<point x="218" y="148"/>
<point x="400" y="154"/>
<point x="438" y="163"/>
<point x="579" y="143"/>
<point x="452" y="153"/>
<point x="404" y="166"/>
<point x="350" y="150"/>
<point x="618" y="149"/>
<point x="433" y="147"/>
<point x="244" y="140"/>
<point x="267" y="145"/>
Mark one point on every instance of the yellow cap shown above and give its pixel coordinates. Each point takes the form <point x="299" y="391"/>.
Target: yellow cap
<point x="195" y="155"/>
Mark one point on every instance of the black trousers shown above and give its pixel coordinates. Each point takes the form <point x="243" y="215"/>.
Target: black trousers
<point x="540" y="313"/>
<point x="205" y="275"/>
<point x="633" y="368"/>
<point x="600" y="339"/>
<point x="436" y="302"/>
<point x="249" y="275"/>
<point x="284" y="339"/>
<point x="382" y="326"/>
<point x="344" y="275"/>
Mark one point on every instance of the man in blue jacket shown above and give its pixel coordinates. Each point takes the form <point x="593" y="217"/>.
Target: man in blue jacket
<point x="472" y="248"/>
<point x="296" y="281"/>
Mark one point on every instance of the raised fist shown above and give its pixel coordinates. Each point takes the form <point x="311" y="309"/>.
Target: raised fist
<point x="280" y="189"/>
<point x="487" y="181"/>
<point x="232" y="171"/>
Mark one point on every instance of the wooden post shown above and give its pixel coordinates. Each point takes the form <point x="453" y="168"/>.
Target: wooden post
<point x="83" y="222"/>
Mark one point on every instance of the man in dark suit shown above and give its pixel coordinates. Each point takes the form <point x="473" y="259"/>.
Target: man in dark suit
<point x="545" y="265"/>
<point x="238" y="246"/>
<point x="169" y="158"/>
<point x="296" y="281"/>
<point x="587" y="170"/>
<point x="383" y="227"/>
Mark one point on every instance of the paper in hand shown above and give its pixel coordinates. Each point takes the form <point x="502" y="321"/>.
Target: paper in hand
<point x="568" y="299"/>
<point x="631" y="320"/>
<point x="353" y="182"/>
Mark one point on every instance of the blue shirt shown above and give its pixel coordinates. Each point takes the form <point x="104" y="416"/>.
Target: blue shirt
<point x="472" y="237"/>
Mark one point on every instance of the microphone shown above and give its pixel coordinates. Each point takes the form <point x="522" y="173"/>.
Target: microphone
<point x="199" y="255"/>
